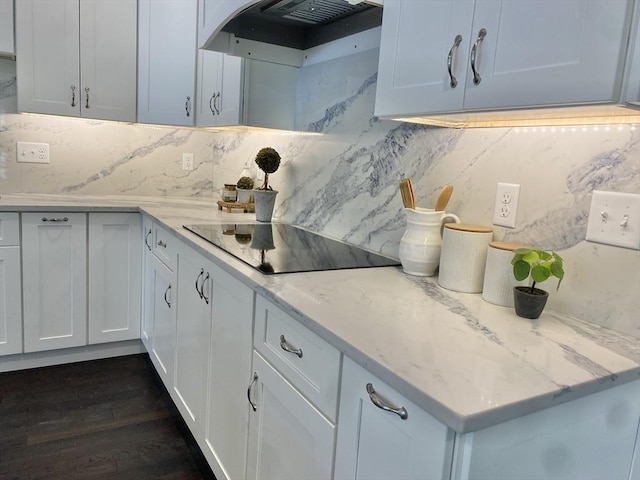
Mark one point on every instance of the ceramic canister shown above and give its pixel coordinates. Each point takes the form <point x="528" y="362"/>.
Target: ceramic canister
<point x="498" y="274"/>
<point x="463" y="256"/>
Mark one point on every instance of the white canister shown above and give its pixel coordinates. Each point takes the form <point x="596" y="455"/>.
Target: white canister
<point x="498" y="274"/>
<point x="463" y="257"/>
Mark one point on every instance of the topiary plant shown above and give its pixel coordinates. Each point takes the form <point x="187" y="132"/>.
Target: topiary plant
<point x="245" y="183"/>
<point x="268" y="161"/>
<point x="538" y="264"/>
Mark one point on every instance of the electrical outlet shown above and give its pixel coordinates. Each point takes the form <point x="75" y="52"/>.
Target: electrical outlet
<point x="614" y="219"/>
<point x="187" y="161"/>
<point x="30" y="152"/>
<point x="506" y="205"/>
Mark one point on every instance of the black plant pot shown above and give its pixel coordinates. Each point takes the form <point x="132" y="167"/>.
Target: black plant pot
<point x="528" y="303"/>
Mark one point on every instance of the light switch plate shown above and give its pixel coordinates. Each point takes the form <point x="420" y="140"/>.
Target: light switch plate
<point x="30" y="152"/>
<point x="614" y="219"/>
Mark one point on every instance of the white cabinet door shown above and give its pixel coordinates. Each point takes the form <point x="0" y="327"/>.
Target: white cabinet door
<point x="532" y="53"/>
<point x="54" y="262"/>
<point x="289" y="439"/>
<point x="10" y="301"/>
<point x="7" y="45"/>
<point x="548" y="52"/>
<point x="163" y="321"/>
<point x="192" y="338"/>
<point x="77" y="58"/>
<point x="417" y="37"/>
<point x="48" y="56"/>
<point x="220" y="82"/>
<point x="167" y="61"/>
<point x="114" y="277"/>
<point x="146" y="327"/>
<point x="227" y="422"/>
<point x="378" y="444"/>
<point x="108" y="56"/>
<point x="632" y="85"/>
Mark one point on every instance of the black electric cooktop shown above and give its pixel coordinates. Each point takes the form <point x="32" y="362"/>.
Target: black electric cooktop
<point x="284" y="248"/>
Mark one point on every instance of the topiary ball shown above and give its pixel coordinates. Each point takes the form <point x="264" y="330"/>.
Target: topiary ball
<point x="245" y="183"/>
<point x="268" y="160"/>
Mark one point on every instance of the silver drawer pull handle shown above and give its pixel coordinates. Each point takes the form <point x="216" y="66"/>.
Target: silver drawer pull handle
<point x="146" y="239"/>
<point x="73" y="95"/>
<point x="86" y="91"/>
<point x="254" y="380"/>
<point x="165" y="296"/>
<point x="162" y="244"/>
<point x="476" y="76"/>
<point x="55" y="219"/>
<point x="287" y="347"/>
<point x="384" y="405"/>
<point x="197" y="280"/>
<point x="204" y="280"/>
<point x="456" y="44"/>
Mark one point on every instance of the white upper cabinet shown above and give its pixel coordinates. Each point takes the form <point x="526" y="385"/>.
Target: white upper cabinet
<point x="213" y="15"/>
<point x="7" y="45"/>
<point x="235" y="91"/>
<point x="77" y="58"/>
<point x="167" y="51"/>
<point x="632" y="86"/>
<point x="510" y="54"/>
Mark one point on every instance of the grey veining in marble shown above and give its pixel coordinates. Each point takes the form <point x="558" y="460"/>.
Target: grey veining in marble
<point x="344" y="182"/>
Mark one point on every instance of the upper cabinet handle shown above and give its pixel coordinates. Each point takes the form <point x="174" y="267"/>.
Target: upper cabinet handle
<point x="73" y="95"/>
<point x="199" y="290"/>
<point x="476" y="76"/>
<point x="86" y="91"/>
<point x="456" y="43"/>
<point x="216" y="103"/>
<point x="379" y="402"/>
<point x="212" y="104"/>
<point x="187" y="106"/>
<point x="287" y="347"/>
<point x="55" y="219"/>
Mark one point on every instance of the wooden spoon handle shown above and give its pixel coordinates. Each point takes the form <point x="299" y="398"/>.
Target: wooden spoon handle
<point x="443" y="197"/>
<point x="406" y="190"/>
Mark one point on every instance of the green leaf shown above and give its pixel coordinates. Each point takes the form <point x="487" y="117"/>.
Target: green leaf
<point x="557" y="270"/>
<point x="521" y="270"/>
<point x="531" y="257"/>
<point x="544" y="255"/>
<point x="540" y="273"/>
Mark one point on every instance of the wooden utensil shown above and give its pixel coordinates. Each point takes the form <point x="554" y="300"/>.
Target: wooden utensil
<point x="406" y="190"/>
<point x="443" y="197"/>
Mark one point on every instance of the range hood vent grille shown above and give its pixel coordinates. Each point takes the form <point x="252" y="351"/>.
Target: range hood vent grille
<point x="302" y="24"/>
<point x="315" y="12"/>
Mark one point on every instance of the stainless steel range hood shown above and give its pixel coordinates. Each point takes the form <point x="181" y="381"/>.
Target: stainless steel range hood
<point x="283" y="25"/>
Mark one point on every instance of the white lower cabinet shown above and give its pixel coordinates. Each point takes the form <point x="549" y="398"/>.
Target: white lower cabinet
<point x="193" y="328"/>
<point x="10" y="285"/>
<point x="161" y="324"/>
<point x="383" y="435"/>
<point x="289" y="438"/>
<point x="114" y="277"/>
<point x="54" y="251"/>
<point x="591" y="438"/>
<point x="227" y="412"/>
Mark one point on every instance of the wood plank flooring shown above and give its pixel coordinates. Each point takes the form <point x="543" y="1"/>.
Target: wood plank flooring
<point x="103" y="419"/>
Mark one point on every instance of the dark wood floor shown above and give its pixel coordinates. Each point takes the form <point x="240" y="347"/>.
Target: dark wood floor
<point x="103" y="419"/>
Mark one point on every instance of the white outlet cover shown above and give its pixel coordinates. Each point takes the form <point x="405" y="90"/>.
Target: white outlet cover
<point x="31" y="152"/>
<point x="505" y="208"/>
<point x="614" y="219"/>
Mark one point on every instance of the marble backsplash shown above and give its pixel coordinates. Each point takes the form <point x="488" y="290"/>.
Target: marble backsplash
<point x="343" y="179"/>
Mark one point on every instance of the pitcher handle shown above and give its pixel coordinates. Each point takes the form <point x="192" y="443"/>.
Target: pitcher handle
<point x="450" y="216"/>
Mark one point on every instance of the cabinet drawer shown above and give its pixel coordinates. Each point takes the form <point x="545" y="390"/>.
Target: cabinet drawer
<point x="165" y="246"/>
<point x="306" y="360"/>
<point x="9" y="229"/>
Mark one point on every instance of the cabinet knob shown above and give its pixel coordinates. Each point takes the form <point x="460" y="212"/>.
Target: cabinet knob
<point x="474" y="51"/>
<point x="456" y="43"/>
<point x="380" y="402"/>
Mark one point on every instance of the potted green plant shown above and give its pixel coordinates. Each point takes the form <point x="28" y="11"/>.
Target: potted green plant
<point x="268" y="160"/>
<point x="243" y="188"/>
<point x="539" y="265"/>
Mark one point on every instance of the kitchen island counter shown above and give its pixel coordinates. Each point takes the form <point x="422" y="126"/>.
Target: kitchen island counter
<point x="468" y="363"/>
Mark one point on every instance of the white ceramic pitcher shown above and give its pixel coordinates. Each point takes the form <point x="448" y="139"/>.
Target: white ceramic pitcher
<point x="422" y="240"/>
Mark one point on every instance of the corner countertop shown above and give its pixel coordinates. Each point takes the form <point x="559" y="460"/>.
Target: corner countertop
<point x="468" y="363"/>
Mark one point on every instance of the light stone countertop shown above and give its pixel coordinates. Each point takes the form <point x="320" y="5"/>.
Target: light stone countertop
<point x="467" y="362"/>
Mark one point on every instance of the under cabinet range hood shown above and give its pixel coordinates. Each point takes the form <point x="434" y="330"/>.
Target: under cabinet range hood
<point x="284" y="26"/>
